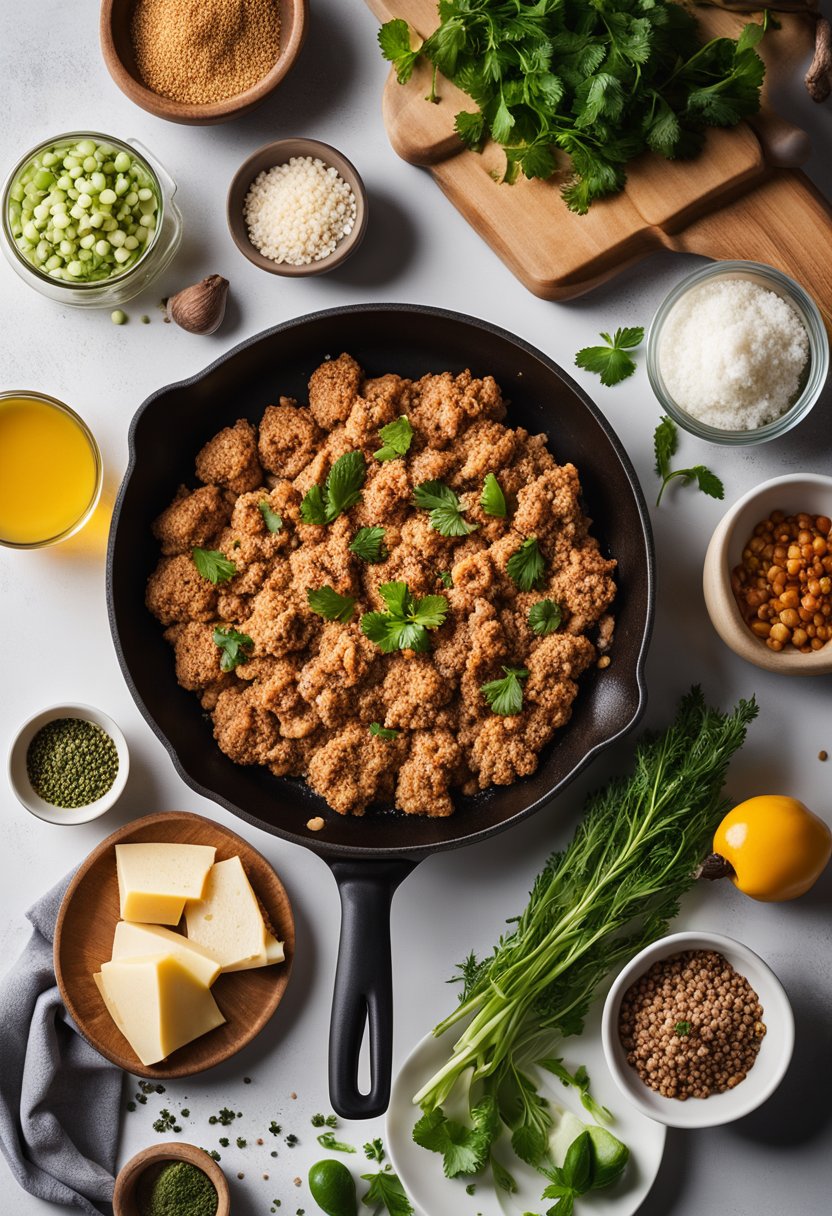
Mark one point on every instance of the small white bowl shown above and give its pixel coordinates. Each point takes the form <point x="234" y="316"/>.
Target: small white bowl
<point x="19" y="777"/>
<point x="768" y="1069"/>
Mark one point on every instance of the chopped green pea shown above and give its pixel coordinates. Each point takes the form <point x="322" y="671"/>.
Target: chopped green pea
<point x="118" y="317"/>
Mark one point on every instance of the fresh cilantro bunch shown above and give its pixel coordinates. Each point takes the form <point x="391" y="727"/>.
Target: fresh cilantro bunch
<point x="601" y="80"/>
<point x="405" y="624"/>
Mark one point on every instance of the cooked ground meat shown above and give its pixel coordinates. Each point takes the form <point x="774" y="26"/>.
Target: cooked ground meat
<point x="305" y="690"/>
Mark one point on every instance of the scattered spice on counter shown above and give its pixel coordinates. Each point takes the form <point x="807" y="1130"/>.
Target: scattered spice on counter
<point x="178" y="1188"/>
<point x="166" y="1122"/>
<point x="71" y="762"/>
<point x="823" y="756"/>
<point x="698" y="989"/>
<point x="203" y="51"/>
<point x="298" y="212"/>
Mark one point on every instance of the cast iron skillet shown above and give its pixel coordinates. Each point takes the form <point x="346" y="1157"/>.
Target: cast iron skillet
<point x="370" y="856"/>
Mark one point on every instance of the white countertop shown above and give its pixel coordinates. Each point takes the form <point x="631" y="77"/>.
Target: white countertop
<point x="57" y="643"/>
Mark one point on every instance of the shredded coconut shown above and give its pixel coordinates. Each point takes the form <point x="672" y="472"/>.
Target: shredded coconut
<point x="298" y="212"/>
<point x="733" y="354"/>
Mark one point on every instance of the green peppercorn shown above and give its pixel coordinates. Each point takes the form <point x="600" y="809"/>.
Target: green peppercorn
<point x="71" y="762"/>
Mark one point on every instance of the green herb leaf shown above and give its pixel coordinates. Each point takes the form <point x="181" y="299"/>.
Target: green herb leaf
<point x="579" y="1081"/>
<point x="374" y="1150"/>
<point x="465" y="1150"/>
<point x="396" y="438"/>
<point x="341" y="491"/>
<point x="611" y="362"/>
<point x="506" y="696"/>
<point x="236" y="647"/>
<point x="383" y="732"/>
<point x="503" y="1180"/>
<point x="545" y="617"/>
<point x="327" y="1140"/>
<point x="405" y="624"/>
<point x="394" y="40"/>
<point x="387" y="1191"/>
<point x="271" y="518"/>
<point x="444" y="507"/>
<point x="368" y="544"/>
<point x="213" y="565"/>
<point x="492" y="499"/>
<point x="526" y="565"/>
<point x="326" y="602"/>
<point x="682" y="1029"/>
<point x="665" y="442"/>
<point x="445" y="578"/>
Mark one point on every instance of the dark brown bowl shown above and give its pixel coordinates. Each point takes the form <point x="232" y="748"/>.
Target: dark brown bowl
<point x="153" y="1158"/>
<point x="117" y="49"/>
<point x="278" y="153"/>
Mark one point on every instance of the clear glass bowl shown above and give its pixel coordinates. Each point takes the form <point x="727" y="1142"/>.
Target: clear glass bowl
<point x="119" y="288"/>
<point x="814" y="377"/>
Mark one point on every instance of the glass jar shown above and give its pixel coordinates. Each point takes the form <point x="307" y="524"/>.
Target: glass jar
<point x="120" y="287"/>
<point x="814" y="375"/>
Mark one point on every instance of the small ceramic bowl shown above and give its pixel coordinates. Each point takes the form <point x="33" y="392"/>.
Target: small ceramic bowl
<point x="154" y="1158"/>
<point x="810" y="492"/>
<point x="814" y="377"/>
<point x="278" y="153"/>
<point x="22" y="786"/>
<point x="762" y="1078"/>
<point x="117" y="49"/>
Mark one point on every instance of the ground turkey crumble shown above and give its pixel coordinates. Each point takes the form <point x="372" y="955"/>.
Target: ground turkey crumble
<point x="303" y="703"/>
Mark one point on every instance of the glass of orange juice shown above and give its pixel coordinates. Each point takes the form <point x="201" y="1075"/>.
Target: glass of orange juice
<point x="50" y="470"/>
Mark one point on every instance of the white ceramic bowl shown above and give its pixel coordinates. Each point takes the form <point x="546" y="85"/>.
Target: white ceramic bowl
<point x="768" y="1069"/>
<point x="22" y="786"/>
<point x="811" y="492"/>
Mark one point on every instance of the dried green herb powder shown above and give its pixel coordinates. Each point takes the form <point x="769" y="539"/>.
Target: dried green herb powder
<point x="179" y="1189"/>
<point x="71" y="762"/>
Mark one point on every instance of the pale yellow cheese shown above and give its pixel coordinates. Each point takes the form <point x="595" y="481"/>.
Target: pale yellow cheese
<point x="132" y="941"/>
<point x="154" y="880"/>
<point x="111" y="1009"/>
<point x="227" y="920"/>
<point x="157" y="1004"/>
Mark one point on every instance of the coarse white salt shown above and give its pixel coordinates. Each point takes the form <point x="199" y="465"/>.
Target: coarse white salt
<point x="298" y="212"/>
<point x="732" y="354"/>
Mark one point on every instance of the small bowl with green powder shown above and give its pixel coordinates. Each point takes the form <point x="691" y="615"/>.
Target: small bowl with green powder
<point x="171" y="1179"/>
<point x="68" y="764"/>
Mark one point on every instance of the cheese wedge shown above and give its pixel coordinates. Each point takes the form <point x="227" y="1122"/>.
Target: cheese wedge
<point x="133" y="940"/>
<point x="154" y="880"/>
<point x="157" y="1004"/>
<point x="227" y="920"/>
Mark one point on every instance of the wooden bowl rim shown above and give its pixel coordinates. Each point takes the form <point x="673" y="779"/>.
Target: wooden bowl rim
<point x="171" y="1150"/>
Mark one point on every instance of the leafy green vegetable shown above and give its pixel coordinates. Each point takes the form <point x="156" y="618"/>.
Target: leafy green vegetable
<point x="545" y="617"/>
<point x="598" y="80"/>
<point x="580" y="1081"/>
<point x="330" y="605"/>
<point x="665" y="440"/>
<point x="327" y="1140"/>
<point x="464" y="1149"/>
<point x="387" y="1191"/>
<point x="445" y="509"/>
<point x="572" y="1179"/>
<point x="374" y="1150"/>
<point x="405" y="624"/>
<point x="341" y="491"/>
<point x="368" y="544"/>
<point x="213" y="565"/>
<point x="526" y="565"/>
<point x="396" y="437"/>
<point x="506" y="696"/>
<point x="383" y="732"/>
<point x="271" y="518"/>
<point x="611" y="362"/>
<point x="492" y="499"/>
<point x="236" y="647"/>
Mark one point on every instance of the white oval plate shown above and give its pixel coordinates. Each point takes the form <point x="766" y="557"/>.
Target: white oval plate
<point x="435" y="1195"/>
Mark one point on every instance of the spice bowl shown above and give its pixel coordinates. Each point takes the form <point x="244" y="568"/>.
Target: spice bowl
<point x="280" y="152"/>
<point x="812" y="378"/>
<point x="135" y="1179"/>
<point x="763" y="1076"/>
<point x="19" y="774"/>
<point x="792" y="494"/>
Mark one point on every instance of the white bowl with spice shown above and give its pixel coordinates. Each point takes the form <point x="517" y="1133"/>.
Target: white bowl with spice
<point x="737" y="353"/>
<point x="701" y="1014"/>
<point x="768" y="575"/>
<point x="68" y="764"/>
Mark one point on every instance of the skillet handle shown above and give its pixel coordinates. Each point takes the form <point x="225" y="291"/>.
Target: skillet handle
<point x="363" y="995"/>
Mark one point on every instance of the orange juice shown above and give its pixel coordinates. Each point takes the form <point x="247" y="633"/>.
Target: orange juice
<point x="50" y="471"/>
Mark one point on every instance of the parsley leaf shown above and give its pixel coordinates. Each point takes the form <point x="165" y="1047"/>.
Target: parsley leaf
<point x="611" y="362"/>
<point x="368" y="544"/>
<point x="271" y="518"/>
<point x="326" y="602"/>
<point x="464" y="1149"/>
<point x="394" y="40"/>
<point x="396" y="437"/>
<point x="327" y="1140"/>
<point x="341" y="491"/>
<point x="444" y="507"/>
<point x="682" y="1029"/>
<point x="665" y="440"/>
<point x="526" y="565"/>
<point x="387" y="1191"/>
<point x="213" y="565"/>
<point x="405" y="624"/>
<point x="506" y="696"/>
<point x="383" y="732"/>
<point x="445" y="578"/>
<point x="492" y="499"/>
<point x="374" y="1150"/>
<point x="313" y="506"/>
<point x="236" y="647"/>
<point x="545" y="617"/>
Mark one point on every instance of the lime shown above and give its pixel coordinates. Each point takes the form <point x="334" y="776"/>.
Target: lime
<point x="333" y="1188"/>
<point x="609" y="1156"/>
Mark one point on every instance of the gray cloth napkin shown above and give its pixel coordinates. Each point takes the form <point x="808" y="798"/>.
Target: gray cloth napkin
<point x="59" y="1099"/>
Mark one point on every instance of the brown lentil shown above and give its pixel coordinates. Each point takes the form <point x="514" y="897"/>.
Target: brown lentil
<point x="701" y="991"/>
<point x="783" y="584"/>
<point x="201" y="51"/>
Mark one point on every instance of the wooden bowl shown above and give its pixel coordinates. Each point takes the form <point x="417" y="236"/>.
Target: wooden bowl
<point x="117" y="49"/>
<point x="84" y="939"/>
<point x="153" y="1158"/>
<point x="278" y="153"/>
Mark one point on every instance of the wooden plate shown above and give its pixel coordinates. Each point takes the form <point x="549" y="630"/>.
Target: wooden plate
<point x="84" y="940"/>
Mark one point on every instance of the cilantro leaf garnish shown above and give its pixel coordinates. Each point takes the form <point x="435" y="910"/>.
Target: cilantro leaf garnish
<point x="341" y="490"/>
<point x="526" y="565"/>
<point x="506" y="696"/>
<point x="665" y="442"/>
<point x="387" y="1191"/>
<point x="213" y="565"/>
<point x="580" y="1081"/>
<point x="492" y="499"/>
<point x="545" y="617"/>
<point x="394" y="40"/>
<point x="374" y="1150"/>
<point x="236" y="647"/>
<point x="383" y="732"/>
<point x="405" y="624"/>
<point x="445" y="578"/>
<point x="444" y="507"/>
<point x="682" y="1029"/>
<point x="271" y="518"/>
<point x="330" y="605"/>
<point x="396" y="438"/>
<point x="464" y="1149"/>
<point x="368" y="544"/>
<point x="611" y="362"/>
<point x="327" y="1140"/>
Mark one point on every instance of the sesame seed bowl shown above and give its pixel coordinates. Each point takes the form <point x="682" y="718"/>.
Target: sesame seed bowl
<point x="264" y="208"/>
<point x="762" y="1076"/>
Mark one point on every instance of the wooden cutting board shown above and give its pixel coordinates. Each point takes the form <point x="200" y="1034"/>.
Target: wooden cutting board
<point x="743" y="197"/>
